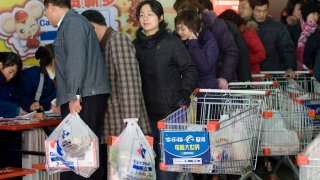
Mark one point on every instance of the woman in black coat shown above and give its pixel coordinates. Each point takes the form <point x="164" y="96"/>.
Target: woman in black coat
<point x="167" y="72"/>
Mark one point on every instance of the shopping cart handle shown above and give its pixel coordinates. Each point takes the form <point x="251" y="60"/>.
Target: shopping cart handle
<point x="229" y="91"/>
<point x="283" y="72"/>
<point x="261" y="76"/>
<point x="274" y="83"/>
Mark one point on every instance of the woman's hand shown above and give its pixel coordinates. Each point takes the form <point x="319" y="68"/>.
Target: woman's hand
<point x="223" y="83"/>
<point x="35" y="106"/>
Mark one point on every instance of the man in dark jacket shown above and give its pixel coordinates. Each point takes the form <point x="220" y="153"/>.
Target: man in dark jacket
<point x="276" y="39"/>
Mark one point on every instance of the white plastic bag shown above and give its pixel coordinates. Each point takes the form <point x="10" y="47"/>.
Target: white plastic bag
<point x="277" y="137"/>
<point x="294" y="86"/>
<point x="72" y="146"/>
<point x="294" y="89"/>
<point x="234" y="142"/>
<point x="241" y="142"/>
<point x="131" y="156"/>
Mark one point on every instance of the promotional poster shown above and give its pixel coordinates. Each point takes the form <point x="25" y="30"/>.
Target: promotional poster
<point x="23" y="26"/>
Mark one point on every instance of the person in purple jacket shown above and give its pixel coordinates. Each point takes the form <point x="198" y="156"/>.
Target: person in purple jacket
<point x="201" y="45"/>
<point x="228" y="51"/>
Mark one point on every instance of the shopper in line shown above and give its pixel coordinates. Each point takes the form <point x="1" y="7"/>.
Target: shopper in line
<point x="126" y="100"/>
<point x="167" y="71"/>
<point x="81" y="77"/>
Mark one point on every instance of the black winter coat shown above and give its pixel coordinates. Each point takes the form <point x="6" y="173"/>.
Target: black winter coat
<point x="166" y="69"/>
<point x="280" y="49"/>
<point x="243" y="71"/>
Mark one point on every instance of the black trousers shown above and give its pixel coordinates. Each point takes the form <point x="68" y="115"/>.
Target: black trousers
<point x="92" y="113"/>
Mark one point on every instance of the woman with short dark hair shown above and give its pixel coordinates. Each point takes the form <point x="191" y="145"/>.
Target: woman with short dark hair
<point x="201" y="45"/>
<point x="167" y="72"/>
<point x="10" y="66"/>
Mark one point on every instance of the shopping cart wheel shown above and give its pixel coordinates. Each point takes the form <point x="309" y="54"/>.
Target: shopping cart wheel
<point x="273" y="177"/>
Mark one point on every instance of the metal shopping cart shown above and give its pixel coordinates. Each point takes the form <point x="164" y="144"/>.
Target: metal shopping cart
<point x="278" y="106"/>
<point x="304" y="89"/>
<point x="309" y="161"/>
<point x="217" y="134"/>
<point x="286" y="125"/>
<point x="300" y="92"/>
<point x="304" y="79"/>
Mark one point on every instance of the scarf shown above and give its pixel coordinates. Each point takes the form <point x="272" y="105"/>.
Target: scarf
<point x="307" y="29"/>
<point x="153" y="40"/>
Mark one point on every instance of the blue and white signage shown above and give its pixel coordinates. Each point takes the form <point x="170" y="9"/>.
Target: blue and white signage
<point x="186" y="147"/>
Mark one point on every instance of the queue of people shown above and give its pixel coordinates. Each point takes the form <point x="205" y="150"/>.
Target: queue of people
<point x="101" y="74"/>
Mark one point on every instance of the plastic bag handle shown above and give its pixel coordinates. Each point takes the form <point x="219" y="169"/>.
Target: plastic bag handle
<point x="130" y="120"/>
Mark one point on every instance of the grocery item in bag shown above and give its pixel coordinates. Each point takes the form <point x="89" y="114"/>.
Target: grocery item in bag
<point x="72" y="146"/>
<point x="277" y="136"/>
<point x="131" y="156"/>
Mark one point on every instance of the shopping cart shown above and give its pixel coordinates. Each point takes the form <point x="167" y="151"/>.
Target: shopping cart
<point x="304" y="89"/>
<point x="309" y="161"/>
<point x="304" y="79"/>
<point x="286" y="125"/>
<point x="298" y="91"/>
<point x="217" y="134"/>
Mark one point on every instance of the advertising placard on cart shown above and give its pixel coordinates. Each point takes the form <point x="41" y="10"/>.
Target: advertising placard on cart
<point x="186" y="147"/>
<point x="314" y="104"/>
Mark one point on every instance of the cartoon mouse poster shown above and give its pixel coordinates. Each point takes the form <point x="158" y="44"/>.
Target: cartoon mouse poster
<point x="20" y="29"/>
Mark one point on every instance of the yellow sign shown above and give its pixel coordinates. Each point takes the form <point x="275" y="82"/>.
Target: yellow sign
<point x="23" y="27"/>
